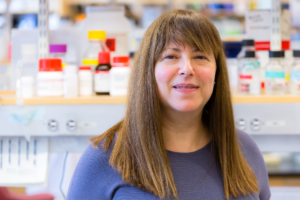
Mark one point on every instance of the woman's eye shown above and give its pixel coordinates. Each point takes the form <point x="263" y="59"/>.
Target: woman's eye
<point x="170" y="57"/>
<point x="201" y="57"/>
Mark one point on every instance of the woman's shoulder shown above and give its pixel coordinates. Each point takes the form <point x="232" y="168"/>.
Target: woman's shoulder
<point x="93" y="176"/>
<point x="249" y="148"/>
<point x="254" y="158"/>
<point x="246" y="142"/>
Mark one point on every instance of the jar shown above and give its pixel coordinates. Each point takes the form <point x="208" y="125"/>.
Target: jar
<point x="102" y="74"/>
<point x="119" y="76"/>
<point x="85" y="78"/>
<point x="295" y="74"/>
<point x="70" y="81"/>
<point x="275" y="82"/>
<point x="249" y="74"/>
<point x="50" y="77"/>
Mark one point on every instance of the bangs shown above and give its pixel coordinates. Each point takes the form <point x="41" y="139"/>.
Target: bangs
<point x="193" y="30"/>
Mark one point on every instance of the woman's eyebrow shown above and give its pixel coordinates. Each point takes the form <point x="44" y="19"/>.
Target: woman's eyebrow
<point x="197" y="50"/>
<point x="174" y="49"/>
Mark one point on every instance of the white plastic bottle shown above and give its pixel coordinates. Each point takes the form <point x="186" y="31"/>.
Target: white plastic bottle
<point x="275" y="74"/>
<point x="119" y="76"/>
<point x="70" y="81"/>
<point x="295" y="74"/>
<point x="85" y="79"/>
<point x="249" y="75"/>
<point x="50" y="78"/>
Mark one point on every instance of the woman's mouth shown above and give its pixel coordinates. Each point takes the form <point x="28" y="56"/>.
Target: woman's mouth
<point x="185" y="88"/>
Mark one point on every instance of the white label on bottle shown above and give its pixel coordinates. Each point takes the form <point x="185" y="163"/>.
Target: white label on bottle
<point x="102" y="81"/>
<point x="50" y="87"/>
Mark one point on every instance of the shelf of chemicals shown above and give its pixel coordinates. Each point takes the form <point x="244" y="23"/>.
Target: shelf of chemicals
<point x="7" y="98"/>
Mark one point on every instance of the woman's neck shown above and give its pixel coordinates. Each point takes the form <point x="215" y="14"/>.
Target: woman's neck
<point x="184" y="132"/>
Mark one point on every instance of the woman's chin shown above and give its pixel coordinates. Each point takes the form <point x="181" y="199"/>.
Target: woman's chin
<point x="186" y="107"/>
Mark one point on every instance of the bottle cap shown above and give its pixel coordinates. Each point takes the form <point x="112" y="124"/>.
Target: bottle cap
<point x="96" y="35"/>
<point x="50" y="64"/>
<point x="70" y="69"/>
<point x="296" y="53"/>
<point x="248" y="43"/>
<point x="88" y="68"/>
<point x="250" y="54"/>
<point x="276" y="54"/>
<point x="104" y="57"/>
<point x="58" y="48"/>
<point x="122" y="61"/>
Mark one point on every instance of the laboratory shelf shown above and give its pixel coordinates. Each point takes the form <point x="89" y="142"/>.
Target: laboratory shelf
<point x="105" y="99"/>
<point x="8" y="98"/>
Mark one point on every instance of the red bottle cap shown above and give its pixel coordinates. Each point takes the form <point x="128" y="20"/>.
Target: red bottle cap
<point x="104" y="57"/>
<point x="84" y="68"/>
<point x="50" y="64"/>
<point x="121" y="59"/>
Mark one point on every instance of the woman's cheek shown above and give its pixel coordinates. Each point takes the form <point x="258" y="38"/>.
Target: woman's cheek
<point x="162" y="74"/>
<point x="206" y="74"/>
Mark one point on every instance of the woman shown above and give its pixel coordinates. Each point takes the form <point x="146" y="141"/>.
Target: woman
<point x="177" y="139"/>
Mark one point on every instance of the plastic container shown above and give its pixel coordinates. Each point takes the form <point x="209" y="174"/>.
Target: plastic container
<point x="27" y="67"/>
<point x="58" y="51"/>
<point x="96" y="45"/>
<point x="25" y="87"/>
<point x="249" y="75"/>
<point x="85" y="78"/>
<point x="275" y="74"/>
<point x="119" y="76"/>
<point x="50" y="78"/>
<point x="117" y="27"/>
<point x="70" y="81"/>
<point x="294" y="85"/>
<point x="101" y="79"/>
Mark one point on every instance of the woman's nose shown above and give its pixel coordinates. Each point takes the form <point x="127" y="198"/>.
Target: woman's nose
<point x="186" y="69"/>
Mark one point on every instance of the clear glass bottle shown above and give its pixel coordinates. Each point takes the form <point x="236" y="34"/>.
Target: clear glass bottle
<point x="275" y="74"/>
<point x="249" y="74"/>
<point x="247" y="45"/>
<point x="294" y="85"/>
<point x="96" y="45"/>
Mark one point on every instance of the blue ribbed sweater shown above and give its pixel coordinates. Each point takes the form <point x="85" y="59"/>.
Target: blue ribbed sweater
<point x="196" y="175"/>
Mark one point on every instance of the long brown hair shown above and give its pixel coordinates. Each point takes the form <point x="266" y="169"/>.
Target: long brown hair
<point x="139" y="153"/>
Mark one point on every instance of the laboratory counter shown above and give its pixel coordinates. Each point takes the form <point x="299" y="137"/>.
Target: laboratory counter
<point x="8" y="98"/>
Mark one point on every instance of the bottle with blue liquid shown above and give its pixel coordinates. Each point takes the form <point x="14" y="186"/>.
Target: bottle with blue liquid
<point x="275" y="83"/>
<point x="295" y="74"/>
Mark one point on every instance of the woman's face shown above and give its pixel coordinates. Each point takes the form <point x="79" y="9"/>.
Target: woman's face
<point x="185" y="78"/>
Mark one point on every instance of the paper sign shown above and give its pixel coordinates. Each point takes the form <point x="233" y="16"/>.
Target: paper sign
<point x="22" y="162"/>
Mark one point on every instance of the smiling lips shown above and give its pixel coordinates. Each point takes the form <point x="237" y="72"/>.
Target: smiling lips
<point x="185" y="88"/>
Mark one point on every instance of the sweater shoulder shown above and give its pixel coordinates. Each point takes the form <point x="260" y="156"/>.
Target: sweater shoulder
<point x="94" y="177"/>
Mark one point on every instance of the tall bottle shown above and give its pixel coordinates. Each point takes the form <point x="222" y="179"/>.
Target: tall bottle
<point x="249" y="74"/>
<point x="294" y="85"/>
<point x="96" y="45"/>
<point x="247" y="45"/>
<point x="102" y="82"/>
<point x="275" y="74"/>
